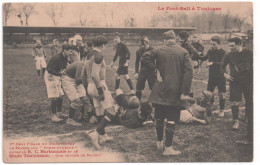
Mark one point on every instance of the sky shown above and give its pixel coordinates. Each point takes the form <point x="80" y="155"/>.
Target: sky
<point x="100" y="14"/>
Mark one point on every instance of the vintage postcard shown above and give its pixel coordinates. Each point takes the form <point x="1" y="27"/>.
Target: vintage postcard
<point x="127" y="82"/>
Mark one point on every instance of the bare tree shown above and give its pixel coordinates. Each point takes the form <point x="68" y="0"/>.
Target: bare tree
<point x="130" y="21"/>
<point x="239" y="22"/>
<point x="26" y="10"/>
<point x="8" y="10"/>
<point x="54" y="11"/>
<point x="82" y="19"/>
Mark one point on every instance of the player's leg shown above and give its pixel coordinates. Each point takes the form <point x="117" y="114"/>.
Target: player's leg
<point x="140" y="85"/>
<point x="248" y="94"/>
<point x="160" y="115"/>
<point x="173" y="117"/>
<point x="199" y="120"/>
<point x="221" y="84"/>
<point x="129" y="83"/>
<point x="235" y="98"/>
<point x="74" y="105"/>
<point x="117" y="76"/>
<point x="211" y="87"/>
<point x="43" y="66"/>
<point x="52" y="86"/>
<point x="38" y="66"/>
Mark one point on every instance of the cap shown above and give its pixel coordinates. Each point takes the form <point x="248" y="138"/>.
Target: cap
<point x="216" y="39"/>
<point x="169" y="35"/>
<point x="184" y="35"/>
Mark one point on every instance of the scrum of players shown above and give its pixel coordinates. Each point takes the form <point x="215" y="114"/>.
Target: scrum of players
<point x="79" y="71"/>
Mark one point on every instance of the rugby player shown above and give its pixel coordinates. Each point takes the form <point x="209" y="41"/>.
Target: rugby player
<point x="145" y="72"/>
<point x="97" y="89"/>
<point x="52" y="78"/>
<point x="123" y="53"/>
<point x="39" y="56"/>
<point x="240" y="63"/>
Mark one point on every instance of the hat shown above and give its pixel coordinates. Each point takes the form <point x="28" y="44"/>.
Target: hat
<point x="169" y="35"/>
<point x="77" y="37"/>
<point x="216" y="39"/>
<point x="184" y="35"/>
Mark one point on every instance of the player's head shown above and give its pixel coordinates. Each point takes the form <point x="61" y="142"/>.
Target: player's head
<point x="78" y="39"/>
<point x="133" y="102"/>
<point x="55" y="42"/>
<point x="100" y="42"/>
<point x="215" y="42"/>
<point x="90" y="44"/>
<point x="69" y="50"/>
<point x="195" y="38"/>
<point x="121" y="98"/>
<point x="117" y="35"/>
<point x="38" y="42"/>
<point x="169" y="35"/>
<point x="145" y="109"/>
<point x="72" y="41"/>
<point x="234" y="44"/>
<point x="144" y="42"/>
<point x="183" y="36"/>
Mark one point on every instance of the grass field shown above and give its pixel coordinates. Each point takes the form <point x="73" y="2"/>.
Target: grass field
<point x="27" y="114"/>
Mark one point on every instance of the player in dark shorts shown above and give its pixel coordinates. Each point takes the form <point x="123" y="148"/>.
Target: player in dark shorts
<point x="123" y="53"/>
<point x="215" y="57"/>
<point x="240" y="63"/>
<point x="146" y="71"/>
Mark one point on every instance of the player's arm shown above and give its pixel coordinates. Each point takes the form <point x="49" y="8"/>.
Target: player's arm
<point x="102" y="71"/>
<point x="223" y="68"/>
<point x="84" y="75"/>
<point x="78" y="78"/>
<point x="187" y="75"/>
<point x="137" y="60"/>
<point x="44" y="53"/>
<point x="96" y="66"/>
<point x="127" y="56"/>
<point x="115" y="57"/>
<point x="193" y="52"/>
<point x="33" y="53"/>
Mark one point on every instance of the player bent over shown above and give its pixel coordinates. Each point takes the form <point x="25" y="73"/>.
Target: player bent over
<point x="73" y="87"/>
<point x="39" y="56"/>
<point x="215" y="57"/>
<point x="240" y="63"/>
<point x="146" y="72"/>
<point x="123" y="53"/>
<point x="200" y="111"/>
<point x="52" y="79"/>
<point x="97" y="89"/>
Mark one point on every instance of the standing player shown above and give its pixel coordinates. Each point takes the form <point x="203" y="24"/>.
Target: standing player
<point x="52" y="78"/>
<point x="240" y="63"/>
<point x="96" y="71"/>
<point x="73" y="87"/>
<point x="174" y="65"/>
<point x="200" y="48"/>
<point x="215" y="57"/>
<point x="145" y="72"/>
<point x="82" y="49"/>
<point x="124" y="56"/>
<point x="55" y="48"/>
<point x="187" y="45"/>
<point x="39" y="56"/>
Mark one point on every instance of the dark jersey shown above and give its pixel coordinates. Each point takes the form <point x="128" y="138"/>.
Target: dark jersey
<point x="194" y="54"/>
<point x="240" y="64"/>
<point x="139" y="58"/>
<point x="74" y="71"/>
<point x="217" y="57"/>
<point x="122" y="52"/>
<point x="198" y="46"/>
<point x="83" y="51"/>
<point x="56" y="64"/>
<point x="131" y="119"/>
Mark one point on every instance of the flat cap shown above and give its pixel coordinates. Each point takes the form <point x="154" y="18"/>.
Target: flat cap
<point x="169" y="35"/>
<point x="216" y="39"/>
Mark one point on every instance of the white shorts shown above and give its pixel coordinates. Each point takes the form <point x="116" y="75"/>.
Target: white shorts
<point x="72" y="90"/>
<point x="40" y="62"/>
<point x="185" y="117"/>
<point x="53" y="85"/>
<point x="93" y="92"/>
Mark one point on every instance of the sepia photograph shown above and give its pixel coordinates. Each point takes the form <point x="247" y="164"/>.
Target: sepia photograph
<point x="128" y="82"/>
